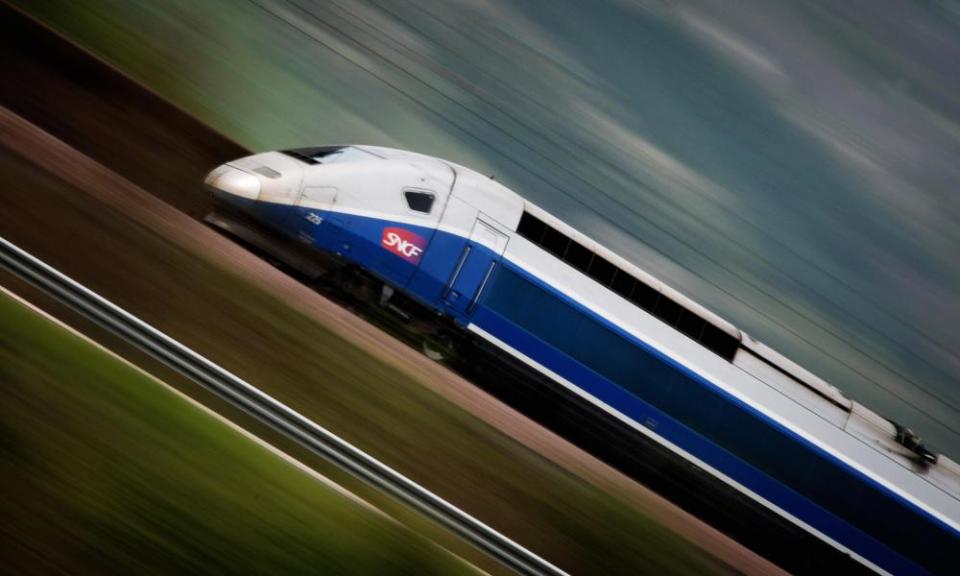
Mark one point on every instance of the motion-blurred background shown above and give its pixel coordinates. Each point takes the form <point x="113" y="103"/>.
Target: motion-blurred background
<point x="792" y="165"/>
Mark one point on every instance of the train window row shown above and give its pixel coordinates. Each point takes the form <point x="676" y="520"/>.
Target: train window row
<point x="621" y="282"/>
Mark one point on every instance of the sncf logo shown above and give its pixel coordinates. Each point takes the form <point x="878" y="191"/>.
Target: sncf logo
<point x="403" y="243"/>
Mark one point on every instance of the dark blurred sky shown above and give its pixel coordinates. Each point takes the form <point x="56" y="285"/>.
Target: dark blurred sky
<point x="792" y="165"/>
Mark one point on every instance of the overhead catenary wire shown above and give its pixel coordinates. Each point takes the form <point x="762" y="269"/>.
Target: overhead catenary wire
<point x="300" y="27"/>
<point x="270" y="411"/>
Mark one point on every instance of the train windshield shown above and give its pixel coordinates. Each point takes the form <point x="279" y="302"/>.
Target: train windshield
<point x="330" y="154"/>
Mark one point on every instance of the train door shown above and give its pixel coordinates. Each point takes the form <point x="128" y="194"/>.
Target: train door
<point x="475" y="267"/>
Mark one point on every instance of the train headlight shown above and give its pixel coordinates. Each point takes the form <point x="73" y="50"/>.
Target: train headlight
<point x="233" y="181"/>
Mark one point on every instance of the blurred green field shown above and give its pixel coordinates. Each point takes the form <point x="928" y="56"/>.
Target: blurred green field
<point x="106" y="471"/>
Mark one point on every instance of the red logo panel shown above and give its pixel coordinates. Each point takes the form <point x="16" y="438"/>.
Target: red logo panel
<point x="404" y="243"/>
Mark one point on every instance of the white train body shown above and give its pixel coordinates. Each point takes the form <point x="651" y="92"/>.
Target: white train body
<point x="471" y="249"/>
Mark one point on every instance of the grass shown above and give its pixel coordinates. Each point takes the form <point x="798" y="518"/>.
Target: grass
<point x="106" y="471"/>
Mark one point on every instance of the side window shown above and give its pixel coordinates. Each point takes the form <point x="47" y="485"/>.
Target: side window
<point x="419" y="201"/>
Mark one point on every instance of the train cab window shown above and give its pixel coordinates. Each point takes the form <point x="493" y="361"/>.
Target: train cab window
<point x="419" y="201"/>
<point x="311" y="155"/>
<point x="329" y="154"/>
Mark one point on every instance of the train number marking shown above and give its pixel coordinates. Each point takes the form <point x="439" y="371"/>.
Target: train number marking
<point x="403" y="243"/>
<point x="313" y="218"/>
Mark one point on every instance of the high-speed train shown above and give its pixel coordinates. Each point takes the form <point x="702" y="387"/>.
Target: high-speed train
<point x="448" y="240"/>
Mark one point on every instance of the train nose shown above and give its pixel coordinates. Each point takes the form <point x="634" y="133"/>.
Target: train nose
<point x="234" y="182"/>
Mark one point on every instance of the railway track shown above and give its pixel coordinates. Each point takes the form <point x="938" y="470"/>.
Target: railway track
<point x="270" y="411"/>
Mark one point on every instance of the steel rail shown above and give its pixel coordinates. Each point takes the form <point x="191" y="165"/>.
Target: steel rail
<point x="269" y="410"/>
